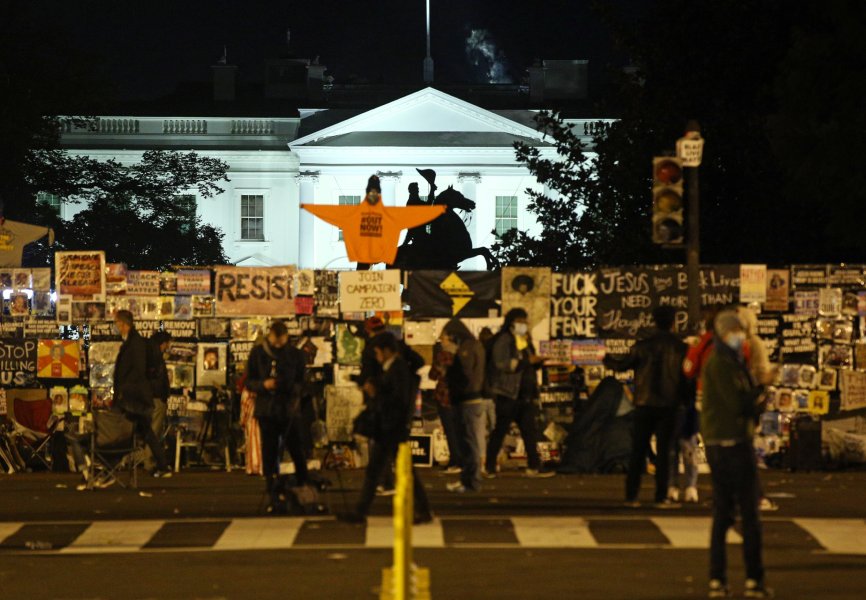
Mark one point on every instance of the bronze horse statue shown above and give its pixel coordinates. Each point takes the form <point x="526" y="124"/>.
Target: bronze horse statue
<point x="448" y="242"/>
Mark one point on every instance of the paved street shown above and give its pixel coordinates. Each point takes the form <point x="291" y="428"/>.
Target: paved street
<point x="199" y="535"/>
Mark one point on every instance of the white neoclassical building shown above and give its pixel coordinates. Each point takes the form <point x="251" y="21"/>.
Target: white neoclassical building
<point x="325" y="156"/>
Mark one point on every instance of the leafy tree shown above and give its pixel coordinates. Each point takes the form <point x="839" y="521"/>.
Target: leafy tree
<point x="129" y="210"/>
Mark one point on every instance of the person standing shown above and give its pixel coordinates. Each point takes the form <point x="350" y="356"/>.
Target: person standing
<point x="445" y="405"/>
<point x="157" y="373"/>
<point x="275" y="373"/>
<point x="510" y="365"/>
<point x="393" y="403"/>
<point x="660" y="390"/>
<point x="133" y="392"/>
<point x="729" y="408"/>
<point x="475" y="414"/>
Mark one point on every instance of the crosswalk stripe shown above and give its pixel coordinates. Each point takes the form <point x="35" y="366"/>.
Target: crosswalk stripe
<point x="260" y="534"/>
<point x="8" y="529"/>
<point x="553" y="532"/>
<point x="839" y="536"/>
<point x="113" y="536"/>
<point x="691" y="532"/>
<point x="380" y="534"/>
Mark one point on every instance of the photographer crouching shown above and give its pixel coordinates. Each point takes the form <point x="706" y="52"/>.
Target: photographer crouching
<point x="275" y="372"/>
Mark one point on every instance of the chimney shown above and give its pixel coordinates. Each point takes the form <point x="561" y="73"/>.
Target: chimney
<point x="224" y="80"/>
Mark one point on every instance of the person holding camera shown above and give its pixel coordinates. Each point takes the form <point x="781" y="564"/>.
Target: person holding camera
<point x="392" y="403"/>
<point x="275" y="372"/>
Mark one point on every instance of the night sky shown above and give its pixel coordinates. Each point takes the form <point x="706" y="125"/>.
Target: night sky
<point x="146" y="49"/>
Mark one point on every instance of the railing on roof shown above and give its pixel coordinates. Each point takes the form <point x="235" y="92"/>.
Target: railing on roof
<point x="185" y="126"/>
<point x="252" y="127"/>
<point x="115" y="126"/>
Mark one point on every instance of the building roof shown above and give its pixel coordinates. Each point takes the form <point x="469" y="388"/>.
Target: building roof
<point x="433" y="139"/>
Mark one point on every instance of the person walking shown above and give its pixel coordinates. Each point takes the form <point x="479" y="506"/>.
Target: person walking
<point x="275" y="373"/>
<point x="133" y="391"/>
<point x="730" y="406"/>
<point x="393" y="403"/>
<point x="475" y="414"/>
<point x="510" y="370"/>
<point x="448" y="414"/>
<point x="157" y="372"/>
<point x="660" y="390"/>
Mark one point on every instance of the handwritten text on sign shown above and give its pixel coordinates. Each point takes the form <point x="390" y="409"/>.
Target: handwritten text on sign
<point x="80" y="273"/>
<point x="362" y="291"/>
<point x="255" y="291"/>
<point x="573" y="301"/>
<point x="17" y="362"/>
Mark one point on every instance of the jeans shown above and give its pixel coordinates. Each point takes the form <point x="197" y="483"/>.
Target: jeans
<point x="278" y="434"/>
<point x="450" y="417"/>
<point x="477" y="419"/>
<point x="687" y="448"/>
<point x="734" y="475"/>
<point x="649" y="420"/>
<point x="382" y="455"/>
<point x="523" y="413"/>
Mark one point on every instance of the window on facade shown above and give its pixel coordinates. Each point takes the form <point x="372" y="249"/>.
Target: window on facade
<point x="52" y="200"/>
<point x="506" y="214"/>
<point x="187" y="205"/>
<point x="347" y="201"/>
<point x="253" y="218"/>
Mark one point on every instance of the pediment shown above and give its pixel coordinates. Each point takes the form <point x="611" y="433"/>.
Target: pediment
<point x="428" y="110"/>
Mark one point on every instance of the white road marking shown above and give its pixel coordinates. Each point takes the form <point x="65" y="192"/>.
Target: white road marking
<point x="380" y="534"/>
<point x="838" y="536"/>
<point x="553" y="532"/>
<point x="8" y="529"/>
<point x="114" y="536"/>
<point x="691" y="532"/>
<point x="260" y="534"/>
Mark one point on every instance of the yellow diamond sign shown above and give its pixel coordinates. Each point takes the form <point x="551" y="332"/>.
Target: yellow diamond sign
<point x="459" y="292"/>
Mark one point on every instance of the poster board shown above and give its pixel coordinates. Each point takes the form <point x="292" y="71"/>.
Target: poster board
<point x="529" y="288"/>
<point x="18" y="363"/>
<point x="57" y="359"/>
<point x="343" y="403"/>
<point x="252" y="291"/>
<point x="211" y="364"/>
<point x="80" y="274"/>
<point x="193" y="282"/>
<point x="365" y="291"/>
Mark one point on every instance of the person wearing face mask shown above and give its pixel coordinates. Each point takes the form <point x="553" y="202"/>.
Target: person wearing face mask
<point x="660" y="390"/>
<point x="511" y="366"/>
<point x="275" y="373"/>
<point x="729" y="408"/>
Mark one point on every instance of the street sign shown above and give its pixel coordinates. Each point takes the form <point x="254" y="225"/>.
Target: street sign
<point x="690" y="149"/>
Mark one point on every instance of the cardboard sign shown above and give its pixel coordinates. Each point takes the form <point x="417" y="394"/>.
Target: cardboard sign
<point x="18" y="363"/>
<point x="142" y="283"/>
<point x="343" y="403"/>
<point x="364" y="291"/>
<point x="573" y="302"/>
<point x="253" y="291"/>
<point x="193" y="282"/>
<point x="57" y="359"/>
<point x="80" y="274"/>
<point x="753" y="283"/>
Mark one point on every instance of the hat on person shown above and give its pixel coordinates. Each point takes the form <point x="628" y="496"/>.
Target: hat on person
<point x="374" y="325"/>
<point x="728" y="321"/>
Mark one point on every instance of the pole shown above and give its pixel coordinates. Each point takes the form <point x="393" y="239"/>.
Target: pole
<point x="693" y="247"/>
<point x="428" y="60"/>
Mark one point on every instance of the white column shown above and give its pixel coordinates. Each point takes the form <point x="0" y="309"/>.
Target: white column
<point x="306" y="221"/>
<point x="469" y="188"/>
<point x="389" y="180"/>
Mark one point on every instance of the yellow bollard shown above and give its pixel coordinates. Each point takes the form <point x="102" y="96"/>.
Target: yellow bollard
<point x="404" y="580"/>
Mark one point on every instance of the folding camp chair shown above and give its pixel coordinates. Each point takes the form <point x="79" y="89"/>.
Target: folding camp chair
<point x="114" y="447"/>
<point x="31" y="429"/>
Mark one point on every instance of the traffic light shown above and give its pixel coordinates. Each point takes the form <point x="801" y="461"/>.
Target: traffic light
<point x="668" y="225"/>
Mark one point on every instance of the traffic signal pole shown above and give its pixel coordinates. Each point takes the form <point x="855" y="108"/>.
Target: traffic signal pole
<point x="693" y="246"/>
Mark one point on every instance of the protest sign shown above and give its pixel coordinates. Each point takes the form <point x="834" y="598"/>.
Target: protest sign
<point x="193" y="282"/>
<point x="464" y="294"/>
<point x="80" y="274"/>
<point x="253" y="291"/>
<point x="529" y="288"/>
<point x="573" y="301"/>
<point x="362" y="291"/>
<point x="17" y="363"/>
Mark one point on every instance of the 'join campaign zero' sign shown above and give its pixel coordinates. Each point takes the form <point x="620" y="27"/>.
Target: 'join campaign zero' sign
<point x="362" y="291"/>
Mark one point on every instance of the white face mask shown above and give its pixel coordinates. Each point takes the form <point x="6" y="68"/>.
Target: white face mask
<point x="736" y="340"/>
<point x="520" y="329"/>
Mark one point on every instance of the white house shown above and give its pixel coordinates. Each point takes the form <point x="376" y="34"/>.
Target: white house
<point x="325" y="156"/>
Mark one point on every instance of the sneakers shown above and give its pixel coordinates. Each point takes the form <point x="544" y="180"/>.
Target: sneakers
<point x="667" y="504"/>
<point x="674" y="494"/>
<point x="756" y="589"/>
<point x="381" y="490"/>
<point x="162" y="473"/>
<point x="539" y="474"/>
<point x="452" y="470"/>
<point x="767" y="505"/>
<point x="718" y="589"/>
<point x="631" y="504"/>
<point x="691" y="495"/>
<point x="487" y="474"/>
<point x="456" y="487"/>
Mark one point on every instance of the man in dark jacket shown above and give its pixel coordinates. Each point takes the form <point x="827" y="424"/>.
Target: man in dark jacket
<point x="729" y="411"/>
<point x="133" y="393"/>
<point x="157" y="374"/>
<point x="660" y="389"/>
<point x="476" y="414"/>
<point x="511" y="367"/>
<point x="393" y="401"/>
<point x="275" y="372"/>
